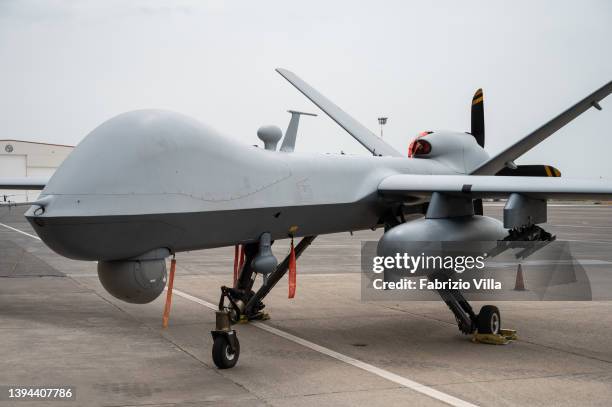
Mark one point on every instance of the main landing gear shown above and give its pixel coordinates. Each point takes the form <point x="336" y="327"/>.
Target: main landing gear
<point x="242" y="303"/>
<point x="485" y="327"/>
<point x="487" y="321"/>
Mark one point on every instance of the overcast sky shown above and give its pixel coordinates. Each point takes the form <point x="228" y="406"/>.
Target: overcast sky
<point x="67" y="66"/>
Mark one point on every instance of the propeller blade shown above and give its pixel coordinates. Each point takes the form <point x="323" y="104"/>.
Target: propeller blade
<point x="478" y="131"/>
<point x="478" y="126"/>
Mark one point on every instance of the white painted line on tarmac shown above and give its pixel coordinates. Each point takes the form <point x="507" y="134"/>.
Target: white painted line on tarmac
<point x="580" y="226"/>
<point x="20" y="231"/>
<point x="559" y="205"/>
<point x="385" y="374"/>
<point x="586" y="241"/>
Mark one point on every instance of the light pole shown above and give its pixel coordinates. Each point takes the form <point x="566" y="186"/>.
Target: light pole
<point x="382" y="121"/>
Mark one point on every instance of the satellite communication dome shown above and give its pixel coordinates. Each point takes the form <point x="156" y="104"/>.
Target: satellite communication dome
<point x="270" y="135"/>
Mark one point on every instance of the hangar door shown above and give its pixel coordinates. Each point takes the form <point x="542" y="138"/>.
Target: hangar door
<point x="42" y="172"/>
<point x="12" y="166"/>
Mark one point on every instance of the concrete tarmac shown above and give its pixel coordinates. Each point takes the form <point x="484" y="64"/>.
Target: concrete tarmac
<point x="59" y="327"/>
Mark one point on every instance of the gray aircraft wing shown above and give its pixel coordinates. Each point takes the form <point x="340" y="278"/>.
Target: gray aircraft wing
<point x="487" y="186"/>
<point x="369" y="140"/>
<point x="498" y="162"/>
<point x="21" y="183"/>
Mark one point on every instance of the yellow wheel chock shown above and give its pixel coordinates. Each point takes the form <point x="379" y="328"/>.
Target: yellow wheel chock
<point x="261" y="316"/>
<point x="504" y="337"/>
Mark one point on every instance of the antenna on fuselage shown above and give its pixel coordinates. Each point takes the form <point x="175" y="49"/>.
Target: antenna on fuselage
<point x="270" y="135"/>
<point x="291" y="134"/>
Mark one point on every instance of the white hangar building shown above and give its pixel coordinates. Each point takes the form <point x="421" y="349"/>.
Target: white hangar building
<point x="29" y="159"/>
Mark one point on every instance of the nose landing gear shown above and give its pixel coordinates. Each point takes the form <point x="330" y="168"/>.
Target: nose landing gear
<point x="244" y="304"/>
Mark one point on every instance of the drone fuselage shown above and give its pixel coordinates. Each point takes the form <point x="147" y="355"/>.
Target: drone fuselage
<point x="152" y="179"/>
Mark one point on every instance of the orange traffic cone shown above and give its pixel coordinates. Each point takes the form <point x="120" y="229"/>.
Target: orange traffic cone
<point x="519" y="285"/>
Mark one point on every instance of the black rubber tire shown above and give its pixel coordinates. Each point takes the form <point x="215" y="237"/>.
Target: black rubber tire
<point x="489" y="320"/>
<point x="223" y="358"/>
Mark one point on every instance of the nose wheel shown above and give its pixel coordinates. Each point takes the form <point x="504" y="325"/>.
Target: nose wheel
<point x="226" y="349"/>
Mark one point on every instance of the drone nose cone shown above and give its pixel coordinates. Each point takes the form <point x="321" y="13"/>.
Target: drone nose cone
<point x="61" y="238"/>
<point x="102" y="237"/>
<point x="61" y="230"/>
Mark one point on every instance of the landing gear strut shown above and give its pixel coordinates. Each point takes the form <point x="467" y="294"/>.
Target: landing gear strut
<point x="241" y="303"/>
<point x="488" y="320"/>
<point x="464" y="314"/>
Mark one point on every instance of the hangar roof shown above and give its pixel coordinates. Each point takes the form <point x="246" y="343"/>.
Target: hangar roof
<point x="34" y="142"/>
